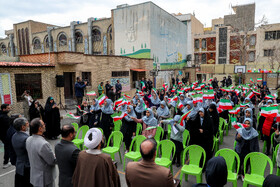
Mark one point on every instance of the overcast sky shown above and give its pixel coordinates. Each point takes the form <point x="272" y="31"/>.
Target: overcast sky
<point x="62" y="12"/>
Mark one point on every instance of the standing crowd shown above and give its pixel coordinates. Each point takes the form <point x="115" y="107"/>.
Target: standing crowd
<point x="196" y="108"/>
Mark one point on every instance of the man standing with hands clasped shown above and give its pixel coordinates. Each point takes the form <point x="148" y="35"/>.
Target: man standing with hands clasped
<point x="118" y="87"/>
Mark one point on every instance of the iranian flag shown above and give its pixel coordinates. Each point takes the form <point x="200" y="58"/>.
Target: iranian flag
<point x="225" y="104"/>
<point x="91" y="93"/>
<point x="237" y="91"/>
<point x="140" y="92"/>
<point x="175" y="98"/>
<point x="239" y="125"/>
<point x="101" y="99"/>
<point x="79" y="108"/>
<point x="145" y="106"/>
<point x="180" y="82"/>
<point x="250" y="94"/>
<point x="198" y="88"/>
<point x="202" y="85"/>
<point x="197" y="98"/>
<point x="235" y="110"/>
<point x="251" y="81"/>
<point x="165" y="86"/>
<point x="208" y="94"/>
<point x="116" y="118"/>
<point x="256" y="92"/>
<point x="180" y="92"/>
<point x="173" y="89"/>
<point x="71" y="115"/>
<point x="242" y="105"/>
<point x="203" y="80"/>
<point x="220" y="110"/>
<point x="269" y="111"/>
<point x="119" y="101"/>
<point x="259" y="79"/>
<point x="187" y="88"/>
<point x="211" y="87"/>
<point x="195" y="82"/>
<point x="127" y="96"/>
<point x="180" y="105"/>
<point x="183" y="117"/>
<point x="143" y="85"/>
<point x="269" y="97"/>
<point x="210" y="80"/>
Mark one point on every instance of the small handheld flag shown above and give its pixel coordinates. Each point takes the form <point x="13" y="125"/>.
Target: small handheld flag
<point x="71" y="115"/>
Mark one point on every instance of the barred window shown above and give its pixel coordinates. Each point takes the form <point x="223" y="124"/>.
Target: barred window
<point x="78" y="37"/>
<point x="62" y="39"/>
<point x="120" y="73"/>
<point x="3" y="48"/>
<point x="36" y="43"/>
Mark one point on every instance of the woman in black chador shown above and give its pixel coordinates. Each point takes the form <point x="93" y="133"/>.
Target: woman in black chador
<point x="52" y="119"/>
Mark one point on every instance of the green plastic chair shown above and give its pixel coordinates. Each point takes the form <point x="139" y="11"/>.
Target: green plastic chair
<point x="278" y="172"/>
<point x="258" y="162"/>
<point x="167" y="149"/>
<point x="159" y="134"/>
<point x="258" y="119"/>
<point x="186" y="138"/>
<point x="134" y="151"/>
<point x="117" y="137"/>
<point x="139" y="129"/>
<point x="215" y="147"/>
<point x="195" y="152"/>
<point x="80" y="141"/>
<point x="274" y="154"/>
<point x="76" y="126"/>
<point x="222" y="125"/>
<point x="230" y="157"/>
<point x="227" y="124"/>
<point x="168" y="131"/>
<point x="117" y="125"/>
<point x="265" y="143"/>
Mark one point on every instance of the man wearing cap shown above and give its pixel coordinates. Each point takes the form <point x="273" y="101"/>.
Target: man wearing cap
<point x="93" y="167"/>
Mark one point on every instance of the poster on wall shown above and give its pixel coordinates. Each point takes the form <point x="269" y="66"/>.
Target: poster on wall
<point x="124" y="82"/>
<point x="5" y="88"/>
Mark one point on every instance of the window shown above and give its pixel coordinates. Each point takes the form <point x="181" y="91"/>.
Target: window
<point x="47" y="41"/>
<point x="110" y="32"/>
<point x="23" y="41"/>
<point x="78" y="37"/>
<point x="30" y="82"/>
<point x="27" y="41"/>
<point x="120" y="73"/>
<point x="272" y="35"/>
<point x="36" y="43"/>
<point x="96" y="35"/>
<point x="203" y="43"/>
<point x="196" y="44"/>
<point x="196" y="58"/>
<point x="222" y="60"/>
<point x="252" y="56"/>
<point x="19" y="42"/>
<point x="62" y="39"/>
<point x="203" y="58"/>
<point x="268" y="52"/>
<point x="86" y="76"/>
<point x="3" y="48"/>
<point x="252" y="40"/>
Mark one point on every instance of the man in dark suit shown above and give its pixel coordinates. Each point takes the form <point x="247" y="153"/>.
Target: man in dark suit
<point x="22" y="177"/>
<point x="146" y="172"/>
<point x="66" y="154"/>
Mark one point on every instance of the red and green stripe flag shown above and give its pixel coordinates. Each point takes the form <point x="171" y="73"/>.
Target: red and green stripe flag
<point x="116" y="118"/>
<point x="210" y="80"/>
<point x="143" y="85"/>
<point x="235" y="110"/>
<point x="256" y="92"/>
<point x="197" y="98"/>
<point x="140" y="92"/>
<point x="269" y="111"/>
<point x="165" y="86"/>
<point x="183" y="117"/>
<point x="101" y="99"/>
<point x="91" y="93"/>
<point x="71" y="115"/>
<point x="249" y="94"/>
<point x="269" y="97"/>
<point x="127" y="96"/>
<point x="225" y="104"/>
<point x="180" y="105"/>
<point x="259" y="79"/>
<point x="251" y="81"/>
<point x="208" y="94"/>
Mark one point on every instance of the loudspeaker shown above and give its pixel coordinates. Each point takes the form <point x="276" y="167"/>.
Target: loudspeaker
<point x="59" y="80"/>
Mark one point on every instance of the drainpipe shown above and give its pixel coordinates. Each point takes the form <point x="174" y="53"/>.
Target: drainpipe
<point x="90" y="20"/>
<point x="72" y="34"/>
<point x="11" y="37"/>
<point x="49" y="29"/>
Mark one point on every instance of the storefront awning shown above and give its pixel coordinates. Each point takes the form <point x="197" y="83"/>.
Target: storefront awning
<point x="139" y="70"/>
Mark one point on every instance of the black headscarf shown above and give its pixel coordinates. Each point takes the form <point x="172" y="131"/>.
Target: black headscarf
<point x="271" y="181"/>
<point x="49" y="105"/>
<point x="216" y="172"/>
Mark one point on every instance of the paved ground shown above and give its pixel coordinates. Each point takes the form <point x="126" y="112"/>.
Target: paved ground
<point x="7" y="175"/>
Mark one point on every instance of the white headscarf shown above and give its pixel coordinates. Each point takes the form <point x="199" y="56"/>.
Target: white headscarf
<point x="96" y="138"/>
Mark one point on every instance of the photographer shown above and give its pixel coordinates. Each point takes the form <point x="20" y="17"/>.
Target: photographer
<point x="79" y="90"/>
<point x="27" y="101"/>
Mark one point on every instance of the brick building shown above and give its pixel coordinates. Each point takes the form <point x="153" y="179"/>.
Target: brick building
<point x="38" y="72"/>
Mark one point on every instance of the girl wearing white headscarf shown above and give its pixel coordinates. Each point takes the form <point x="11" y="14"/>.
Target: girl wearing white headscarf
<point x="171" y="106"/>
<point x="148" y="121"/>
<point x="139" y="109"/>
<point x="106" y="120"/>
<point x="153" y="100"/>
<point x="95" y="111"/>
<point x="128" y="126"/>
<point x="248" y="113"/>
<point x="162" y="111"/>
<point x="247" y="141"/>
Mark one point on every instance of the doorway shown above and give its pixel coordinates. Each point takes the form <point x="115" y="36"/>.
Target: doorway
<point x="69" y="81"/>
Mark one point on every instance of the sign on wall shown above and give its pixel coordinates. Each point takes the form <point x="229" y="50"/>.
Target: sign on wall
<point x="124" y="82"/>
<point x="5" y="88"/>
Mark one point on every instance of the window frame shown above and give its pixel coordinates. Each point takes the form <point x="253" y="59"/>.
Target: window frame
<point x="60" y="41"/>
<point x="87" y="76"/>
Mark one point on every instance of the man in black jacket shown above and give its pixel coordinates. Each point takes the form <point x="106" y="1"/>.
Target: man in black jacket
<point x="107" y="87"/>
<point x="66" y="154"/>
<point x="118" y="87"/>
<point x="4" y="126"/>
<point x="229" y="81"/>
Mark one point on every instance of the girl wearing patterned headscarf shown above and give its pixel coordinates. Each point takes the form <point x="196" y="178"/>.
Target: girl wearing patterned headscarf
<point x="128" y="126"/>
<point x="106" y="120"/>
<point x="176" y="136"/>
<point x="149" y="122"/>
